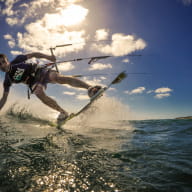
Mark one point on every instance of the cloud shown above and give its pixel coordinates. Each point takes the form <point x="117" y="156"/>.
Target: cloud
<point x="94" y="81"/>
<point x="72" y="15"/>
<point x="82" y="97"/>
<point x="103" y="78"/>
<point x="138" y="90"/>
<point x="8" y="10"/>
<point x="24" y="5"/>
<point x="125" y="60"/>
<point x="39" y="38"/>
<point x="68" y="93"/>
<point x="162" y="95"/>
<point x="35" y="8"/>
<point x="8" y="36"/>
<point x="121" y="45"/>
<point x="66" y="66"/>
<point x="49" y="28"/>
<point x="100" y="66"/>
<point x="150" y="91"/>
<point x="11" y="40"/>
<point x="101" y="34"/>
<point x="187" y="2"/>
<point x="74" y="88"/>
<point x="163" y="90"/>
<point x="16" y="52"/>
<point x="12" y="21"/>
<point x="11" y="43"/>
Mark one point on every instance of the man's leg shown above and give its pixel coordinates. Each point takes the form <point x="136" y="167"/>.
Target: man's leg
<point x="39" y="92"/>
<point x="55" y="77"/>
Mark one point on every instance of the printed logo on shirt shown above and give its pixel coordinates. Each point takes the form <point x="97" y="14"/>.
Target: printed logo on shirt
<point x="18" y="74"/>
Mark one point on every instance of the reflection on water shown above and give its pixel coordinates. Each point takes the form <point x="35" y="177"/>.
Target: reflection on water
<point x="59" y="161"/>
<point x="115" y="157"/>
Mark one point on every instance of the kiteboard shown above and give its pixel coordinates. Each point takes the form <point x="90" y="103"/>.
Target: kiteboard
<point x="99" y="94"/>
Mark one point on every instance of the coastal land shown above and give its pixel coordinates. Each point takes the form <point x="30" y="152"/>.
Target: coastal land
<point x="188" y="117"/>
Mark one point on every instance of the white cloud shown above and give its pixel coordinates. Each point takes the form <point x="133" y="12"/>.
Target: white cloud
<point x="38" y="38"/>
<point x="8" y="10"/>
<point x="93" y="81"/>
<point x="82" y="97"/>
<point x="103" y="78"/>
<point x="45" y="32"/>
<point x="16" y="52"/>
<point x="150" y="91"/>
<point x="11" y="40"/>
<point x="125" y="61"/>
<point x="48" y="29"/>
<point x="12" y="21"/>
<point x="11" y="43"/>
<point x="138" y="90"/>
<point x="163" y="90"/>
<point x="101" y="34"/>
<point x="68" y="93"/>
<point x="36" y="8"/>
<point x="162" y="95"/>
<point x="24" y="5"/>
<point x="72" y="15"/>
<point x="74" y="88"/>
<point x="8" y="37"/>
<point x="100" y="66"/>
<point x="121" y="45"/>
<point x="66" y="66"/>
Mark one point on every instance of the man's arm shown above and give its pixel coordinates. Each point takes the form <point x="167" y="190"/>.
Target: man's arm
<point x="41" y="55"/>
<point x="4" y="99"/>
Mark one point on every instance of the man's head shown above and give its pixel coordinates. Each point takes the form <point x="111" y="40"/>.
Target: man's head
<point x="4" y="63"/>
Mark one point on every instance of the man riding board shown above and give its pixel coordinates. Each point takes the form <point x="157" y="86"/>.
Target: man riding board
<point x="37" y="78"/>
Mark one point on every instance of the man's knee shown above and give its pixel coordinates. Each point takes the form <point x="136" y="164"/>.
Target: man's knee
<point x="53" y="76"/>
<point x="39" y="91"/>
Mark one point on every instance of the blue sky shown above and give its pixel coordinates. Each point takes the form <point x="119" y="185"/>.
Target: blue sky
<point x="159" y="30"/>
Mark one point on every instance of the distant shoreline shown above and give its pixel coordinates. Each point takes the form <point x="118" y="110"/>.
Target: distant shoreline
<point x="189" y="117"/>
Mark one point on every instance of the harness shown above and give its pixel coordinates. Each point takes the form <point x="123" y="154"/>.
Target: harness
<point x="32" y="78"/>
<point x="35" y="77"/>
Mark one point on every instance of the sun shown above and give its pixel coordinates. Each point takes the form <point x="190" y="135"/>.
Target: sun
<point x="71" y="15"/>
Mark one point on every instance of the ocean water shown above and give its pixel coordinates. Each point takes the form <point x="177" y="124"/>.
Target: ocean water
<point x="135" y="156"/>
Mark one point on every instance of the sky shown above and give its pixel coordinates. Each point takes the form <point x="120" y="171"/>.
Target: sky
<point x="158" y="30"/>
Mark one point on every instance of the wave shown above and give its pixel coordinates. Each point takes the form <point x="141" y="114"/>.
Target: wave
<point x="22" y="113"/>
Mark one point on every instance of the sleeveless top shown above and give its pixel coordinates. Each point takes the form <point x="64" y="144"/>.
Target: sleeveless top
<point x="20" y="71"/>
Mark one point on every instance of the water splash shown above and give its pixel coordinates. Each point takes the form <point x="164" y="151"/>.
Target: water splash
<point x="23" y="113"/>
<point x="107" y="113"/>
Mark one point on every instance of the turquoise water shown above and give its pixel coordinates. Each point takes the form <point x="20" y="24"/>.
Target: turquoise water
<point x="150" y="155"/>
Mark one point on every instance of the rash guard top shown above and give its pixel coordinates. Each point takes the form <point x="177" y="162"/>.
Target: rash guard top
<point x="20" y="71"/>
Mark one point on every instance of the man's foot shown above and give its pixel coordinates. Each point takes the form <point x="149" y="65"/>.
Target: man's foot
<point x="62" y="117"/>
<point x="93" y="90"/>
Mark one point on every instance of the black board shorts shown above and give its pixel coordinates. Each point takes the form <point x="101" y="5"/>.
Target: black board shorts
<point x="42" y="78"/>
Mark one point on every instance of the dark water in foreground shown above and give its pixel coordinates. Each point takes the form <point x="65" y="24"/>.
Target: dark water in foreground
<point x="114" y="156"/>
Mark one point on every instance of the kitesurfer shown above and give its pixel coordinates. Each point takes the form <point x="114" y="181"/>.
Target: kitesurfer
<point x="37" y="78"/>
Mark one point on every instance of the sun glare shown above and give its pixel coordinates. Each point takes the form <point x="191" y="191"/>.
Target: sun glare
<point x="72" y="15"/>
